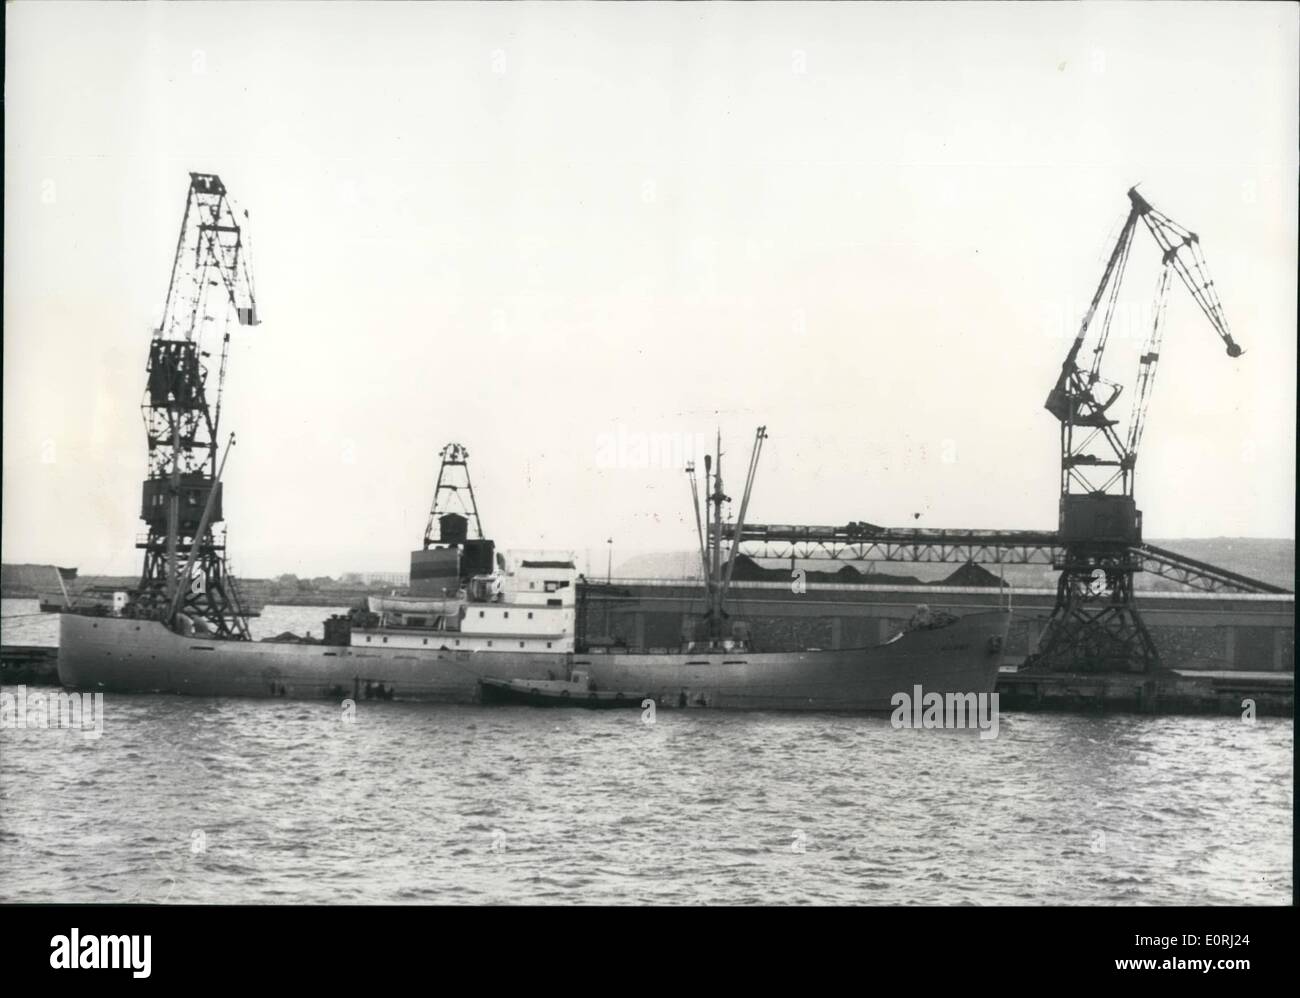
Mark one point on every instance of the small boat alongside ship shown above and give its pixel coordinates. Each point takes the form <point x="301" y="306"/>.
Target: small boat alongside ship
<point x="88" y="598"/>
<point x="579" y="690"/>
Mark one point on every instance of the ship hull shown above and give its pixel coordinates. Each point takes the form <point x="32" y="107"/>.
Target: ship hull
<point x="960" y="659"/>
<point x="136" y="656"/>
<point x="139" y="656"/>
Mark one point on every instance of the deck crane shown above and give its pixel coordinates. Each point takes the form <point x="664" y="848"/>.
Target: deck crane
<point x="1094" y="624"/>
<point x="453" y="484"/>
<point x="452" y="554"/>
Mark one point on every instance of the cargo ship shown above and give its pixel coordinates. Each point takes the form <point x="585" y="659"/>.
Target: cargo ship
<point x="476" y="626"/>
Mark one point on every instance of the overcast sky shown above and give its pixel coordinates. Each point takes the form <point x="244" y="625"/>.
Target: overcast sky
<point x="555" y="232"/>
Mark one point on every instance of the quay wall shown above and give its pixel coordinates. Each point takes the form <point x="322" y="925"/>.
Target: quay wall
<point x="1210" y="631"/>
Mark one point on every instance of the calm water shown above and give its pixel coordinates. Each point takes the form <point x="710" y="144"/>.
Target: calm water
<point x="227" y="800"/>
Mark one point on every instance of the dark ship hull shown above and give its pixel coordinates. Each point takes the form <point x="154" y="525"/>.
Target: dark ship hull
<point x="137" y="656"/>
<point x="961" y="658"/>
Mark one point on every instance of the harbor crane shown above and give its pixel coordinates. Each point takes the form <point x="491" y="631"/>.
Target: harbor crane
<point x="211" y="288"/>
<point x="1095" y="624"/>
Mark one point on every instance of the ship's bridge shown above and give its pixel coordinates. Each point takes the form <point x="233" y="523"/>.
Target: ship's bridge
<point x="542" y="579"/>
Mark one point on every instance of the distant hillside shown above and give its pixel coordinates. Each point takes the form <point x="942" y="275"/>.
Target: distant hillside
<point x="660" y="565"/>
<point x="28" y="580"/>
<point x="1267" y="559"/>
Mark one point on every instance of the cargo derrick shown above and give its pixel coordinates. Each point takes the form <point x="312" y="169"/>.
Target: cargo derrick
<point x="716" y="626"/>
<point x="1095" y="624"/>
<point x="450" y="556"/>
<point x="453" y="486"/>
<point x="184" y="581"/>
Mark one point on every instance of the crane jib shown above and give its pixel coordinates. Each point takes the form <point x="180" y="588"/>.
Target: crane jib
<point x="1095" y="623"/>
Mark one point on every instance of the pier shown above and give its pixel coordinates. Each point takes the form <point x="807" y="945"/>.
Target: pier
<point x="1196" y="631"/>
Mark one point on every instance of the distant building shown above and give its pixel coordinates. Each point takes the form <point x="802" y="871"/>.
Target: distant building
<point x="398" y="579"/>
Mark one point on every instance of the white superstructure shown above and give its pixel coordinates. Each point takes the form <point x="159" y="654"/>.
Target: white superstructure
<point x="529" y="607"/>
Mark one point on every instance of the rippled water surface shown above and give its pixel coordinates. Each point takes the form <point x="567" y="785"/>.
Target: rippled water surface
<point x="225" y="800"/>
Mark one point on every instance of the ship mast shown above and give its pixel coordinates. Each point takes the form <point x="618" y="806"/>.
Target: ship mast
<point x="717" y="580"/>
<point x="716" y="499"/>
